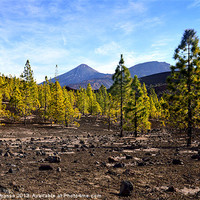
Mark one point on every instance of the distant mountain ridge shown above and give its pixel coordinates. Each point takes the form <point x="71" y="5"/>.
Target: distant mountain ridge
<point x="149" y="68"/>
<point x="79" y="74"/>
<point x="83" y="74"/>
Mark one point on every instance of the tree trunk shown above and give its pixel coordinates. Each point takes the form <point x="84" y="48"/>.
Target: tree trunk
<point x="189" y="139"/>
<point x="135" y="117"/>
<point x="121" y="123"/>
<point x="109" y="123"/>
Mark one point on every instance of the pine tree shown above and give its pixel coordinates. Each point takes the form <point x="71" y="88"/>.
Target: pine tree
<point x="1" y="96"/>
<point x="16" y="102"/>
<point x="71" y="113"/>
<point x="121" y="87"/>
<point x="1" y="106"/>
<point x="90" y="98"/>
<point x="82" y="100"/>
<point x="102" y="99"/>
<point x="5" y="88"/>
<point x="93" y="105"/>
<point x="164" y="110"/>
<point x="29" y="91"/>
<point x="57" y="108"/>
<point x="96" y="107"/>
<point x="155" y="108"/>
<point x="184" y="84"/>
<point x="146" y="125"/>
<point x="44" y="99"/>
<point x="136" y="112"/>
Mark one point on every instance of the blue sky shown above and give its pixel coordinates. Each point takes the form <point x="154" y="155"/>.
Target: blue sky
<point x="95" y="32"/>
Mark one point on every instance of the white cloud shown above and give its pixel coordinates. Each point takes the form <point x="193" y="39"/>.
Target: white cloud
<point x="133" y="58"/>
<point x="107" y="49"/>
<point x="127" y="27"/>
<point x="195" y="3"/>
<point x="138" y="7"/>
<point x="108" y="67"/>
<point x="130" y="7"/>
<point x="160" y="43"/>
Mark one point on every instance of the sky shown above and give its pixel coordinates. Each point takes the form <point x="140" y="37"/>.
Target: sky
<point x="68" y="33"/>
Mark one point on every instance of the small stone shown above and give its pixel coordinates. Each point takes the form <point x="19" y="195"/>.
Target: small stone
<point x="58" y="169"/>
<point x="111" y="172"/>
<point x="76" y="146"/>
<point x="126" y="188"/>
<point x="103" y="164"/>
<point x="38" y="153"/>
<point x="7" y="154"/>
<point x="171" y="189"/>
<point x="82" y="142"/>
<point x="129" y="157"/>
<point x="10" y="170"/>
<point x="195" y="156"/>
<point x="45" y="167"/>
<point x="53" y="159"/>
<point x="128" y="172"/>
<point x="146" y="159"/>
<point x="63" y="149"/>
<point x="141" y="164"/>
<point x="111" y="159"/>
<point x="177" y="162"/>
<point x="84" y="146"/>
<point x="119" y="165"/>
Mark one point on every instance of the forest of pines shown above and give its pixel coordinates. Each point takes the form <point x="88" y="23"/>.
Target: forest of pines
<point x="127" y="105"/>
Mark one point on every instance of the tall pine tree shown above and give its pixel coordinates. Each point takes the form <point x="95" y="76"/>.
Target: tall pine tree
<point x="137" y="109"/>
<point x="82" y="100"/>
<point x="121" y="87"/>
<point x="184" y="84"/>
<point x="29" y="92"/>
<point x="57" y="109"/>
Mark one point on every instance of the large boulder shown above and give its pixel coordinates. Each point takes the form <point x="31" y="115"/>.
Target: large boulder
<point x="126" y="188"/>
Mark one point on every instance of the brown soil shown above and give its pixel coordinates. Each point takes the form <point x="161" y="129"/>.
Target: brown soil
<point x="85" y="169"/>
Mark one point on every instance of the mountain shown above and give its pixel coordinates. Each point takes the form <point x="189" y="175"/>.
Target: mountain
<point x="141" y="70"/>
<point x="79" y="74"/>
<point x="83" y="74"/>
<point x="149" y="68"/>
<point x="155" y="79"/>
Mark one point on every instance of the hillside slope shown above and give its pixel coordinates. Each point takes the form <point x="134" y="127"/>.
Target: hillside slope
<point x="149" y="68"/>
<point x="83" y="74"/>
<point x="79" y="74"/>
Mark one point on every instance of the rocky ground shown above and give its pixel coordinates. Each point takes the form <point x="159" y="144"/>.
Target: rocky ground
<point x="41" y="161"/>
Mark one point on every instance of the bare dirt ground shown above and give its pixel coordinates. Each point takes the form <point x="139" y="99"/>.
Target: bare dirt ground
<point x="90" y="160"/>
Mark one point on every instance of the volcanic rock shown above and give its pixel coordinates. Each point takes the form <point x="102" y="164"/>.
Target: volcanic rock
<point x="119" y="165"/>
<point x="126" y="188"/>
<point x="177" y="162"/>
<point x="45" y="167"/>
<point x="53" y="159"/>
